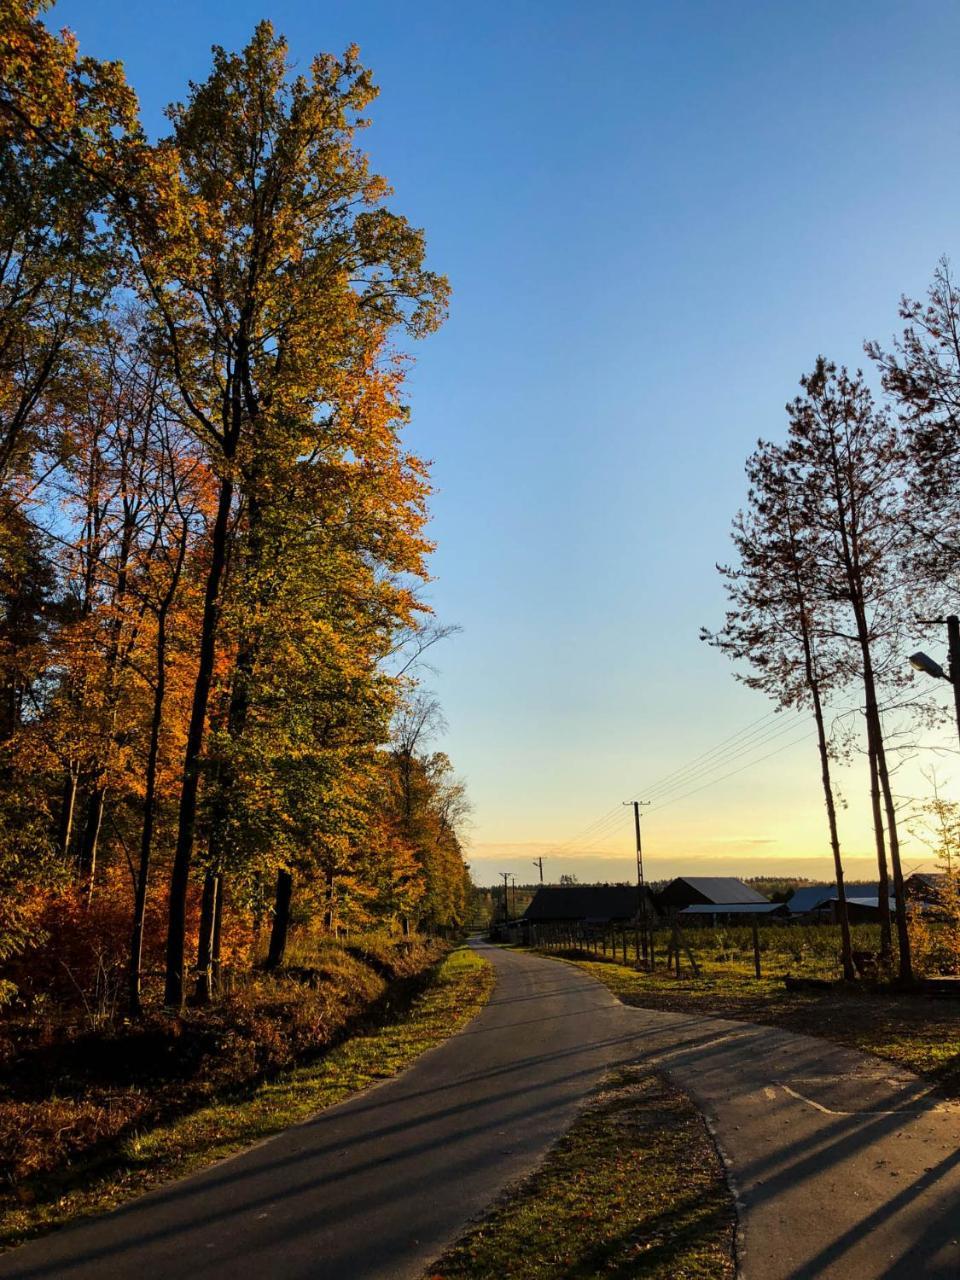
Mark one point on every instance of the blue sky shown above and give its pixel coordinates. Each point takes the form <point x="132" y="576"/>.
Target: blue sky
<point x="654" y="216"/>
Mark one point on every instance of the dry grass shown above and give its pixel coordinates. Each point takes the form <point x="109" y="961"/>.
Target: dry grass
<point x="917" y="1031"/>
<point x="634" y="1189"/>
<point x="111" y="1147"/>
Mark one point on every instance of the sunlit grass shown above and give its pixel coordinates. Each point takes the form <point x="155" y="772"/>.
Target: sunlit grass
<point x="916" y="1031"/>
<point x="634" y="1189"/>
<point x="458" y="989"/>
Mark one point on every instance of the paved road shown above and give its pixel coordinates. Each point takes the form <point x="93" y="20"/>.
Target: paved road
<point x="844" y="1168"/>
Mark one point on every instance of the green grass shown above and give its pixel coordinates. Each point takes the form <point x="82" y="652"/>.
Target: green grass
<point x="916" y="1031"/>
<point x="634" y="1189"/>
<point x="460" y="986"/>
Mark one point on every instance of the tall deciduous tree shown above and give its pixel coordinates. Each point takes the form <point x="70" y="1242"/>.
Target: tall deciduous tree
<point x="280" y="266"/>
<point x="779" y="623"/>
<point x="845" y="464"/>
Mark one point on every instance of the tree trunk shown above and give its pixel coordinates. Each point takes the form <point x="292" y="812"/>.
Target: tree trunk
<point x="905" y="966"/>
<point x="281" y="920"/>
<point x="845" y="947"/>
<point x="215" y="968"/>
<point x="329" y="902"/>
<point x="68" y="805"/>
<point x="180" y="874"/>
<point x="146" y="844"/>
<point x="208" y="910"/>
<point x="883" y="886"/>
<point x="90" y="839"/>
<point x="811" y="674"/>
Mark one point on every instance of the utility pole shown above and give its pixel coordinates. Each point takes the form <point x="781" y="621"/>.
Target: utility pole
<point x="641" y="887"/>
<point x="538" y="862"/>
<point x="513" y="886"/>
<point x="953" y="637"/>
<point x="506" y="907"/>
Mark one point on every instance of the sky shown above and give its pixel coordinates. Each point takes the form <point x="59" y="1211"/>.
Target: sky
<point x="654" y="216"/>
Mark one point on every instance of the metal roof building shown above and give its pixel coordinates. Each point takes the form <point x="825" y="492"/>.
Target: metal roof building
<point x="594" y="902"/>
<point x="812" y="896"/>
<point x="745" y="909"/>
<point x="688" y="891"/>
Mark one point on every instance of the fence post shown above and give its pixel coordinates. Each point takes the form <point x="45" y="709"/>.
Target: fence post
<point x="690" y="956"/>
<point x="756" y="947"/>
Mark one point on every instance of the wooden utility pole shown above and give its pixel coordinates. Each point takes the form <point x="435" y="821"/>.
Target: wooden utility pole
<point x="641" y="886"/>
<point x="538" y="862"/>
<point x="506" y="905"/>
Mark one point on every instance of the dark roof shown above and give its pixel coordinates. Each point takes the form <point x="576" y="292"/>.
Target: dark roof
<point x="583" y="901"/>
<point x="933" y="879"/>
<point x="721" y="888"/>
<point x="734" y="909"/>
<point x="812" y="896"/>
<point x="871" y="900"/>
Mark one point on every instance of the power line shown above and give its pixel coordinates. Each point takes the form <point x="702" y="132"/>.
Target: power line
<point x="805" y="737"/>
<point x="674" y="786"/>
<point x="684" y="777"/>
<point x="608" y="821"/>
<point x="604" y="826"/>
<point x="747" y="732"/>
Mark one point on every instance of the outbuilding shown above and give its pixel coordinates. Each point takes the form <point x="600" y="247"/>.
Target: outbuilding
<point x="733" y="912"/>
<point x="692" y="891"/>
<point x="600" y="904"/>
<point x="813" y="901"/>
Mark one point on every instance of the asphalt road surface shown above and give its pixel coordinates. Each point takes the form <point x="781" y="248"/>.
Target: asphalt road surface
<point x="842" y="1165"/>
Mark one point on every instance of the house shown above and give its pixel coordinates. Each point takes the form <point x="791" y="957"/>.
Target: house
<point x="691" y="891"/>
<point x="600" y="904"/>
<point x="733" y="912"/>
<point x="813" y="899"/>
<point x="925" y="888"/>
<point x="860" y="909"/>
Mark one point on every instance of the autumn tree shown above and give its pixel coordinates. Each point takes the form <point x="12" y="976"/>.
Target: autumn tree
<point x="211" y="533"/>
<point x="62" y="119"/>
<point x="280" y="268"/>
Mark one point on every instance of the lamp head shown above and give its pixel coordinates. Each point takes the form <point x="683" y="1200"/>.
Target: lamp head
<point x="923" y="662"/>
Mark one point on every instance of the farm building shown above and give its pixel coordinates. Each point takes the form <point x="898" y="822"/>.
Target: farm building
<point x="692" y="891"/>
<point x="863" y="909"/>
<point x="733" y="912"/>
<point x="925" y="888"/>
<point x="586" y="904"/>
<point x="816" y="898"/>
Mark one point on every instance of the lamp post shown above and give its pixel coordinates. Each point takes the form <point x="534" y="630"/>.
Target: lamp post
<point x="921" y="661"/>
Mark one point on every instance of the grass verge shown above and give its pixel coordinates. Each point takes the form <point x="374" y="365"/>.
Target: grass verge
<point x="916" y="1031"/>
<point x="634" y="1189"/>
<point x="460" y="985"/>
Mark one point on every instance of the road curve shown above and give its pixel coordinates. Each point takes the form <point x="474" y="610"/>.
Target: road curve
<point x="377" y="1186"/>
<point x="843" y="1166"/>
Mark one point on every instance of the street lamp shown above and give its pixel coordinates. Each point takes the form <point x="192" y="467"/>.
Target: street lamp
<point x="921" y="661"/>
